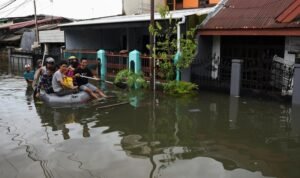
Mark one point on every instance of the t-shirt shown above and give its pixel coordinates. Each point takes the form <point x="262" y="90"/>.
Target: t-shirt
<point x="57" y="76"/>
<point x="46" y="83"/>
<point x="84" y="72"/>
<point x="28" y="75"/>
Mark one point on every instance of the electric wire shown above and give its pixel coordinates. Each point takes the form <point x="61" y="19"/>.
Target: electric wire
<point x="7" y="4"/>
<point x="17" y="7"/>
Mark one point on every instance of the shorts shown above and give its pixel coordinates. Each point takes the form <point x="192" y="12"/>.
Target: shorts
<point x="88" y="86"/>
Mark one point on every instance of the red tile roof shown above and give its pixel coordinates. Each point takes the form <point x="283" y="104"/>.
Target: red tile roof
<point x="250" y="14"/>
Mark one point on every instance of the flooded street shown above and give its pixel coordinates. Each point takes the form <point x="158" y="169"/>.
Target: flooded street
<point x="208" y="135"/>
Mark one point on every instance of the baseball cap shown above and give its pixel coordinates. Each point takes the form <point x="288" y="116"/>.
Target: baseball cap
<point x="49" y="59"/>
<point x="27" y="65"/>
<point x="72" y="57"/>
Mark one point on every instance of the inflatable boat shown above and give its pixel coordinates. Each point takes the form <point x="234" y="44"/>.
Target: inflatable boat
<point x="67" y="100"/>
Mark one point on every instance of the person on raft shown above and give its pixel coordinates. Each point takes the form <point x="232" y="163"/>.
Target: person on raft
<point x="60" y="87"/>
<point x="80" y="73"/>
<point x="46" y="82"/>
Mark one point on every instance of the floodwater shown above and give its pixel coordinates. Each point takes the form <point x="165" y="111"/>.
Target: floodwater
<point x="209" y="135"/>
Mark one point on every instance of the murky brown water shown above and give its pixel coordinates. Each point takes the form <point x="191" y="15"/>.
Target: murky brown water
<point x="210" y="135"/>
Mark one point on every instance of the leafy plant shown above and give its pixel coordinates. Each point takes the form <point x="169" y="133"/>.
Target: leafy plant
<point x="179" y="87"/>
<point x="166" y="45"/>
<point x="131" y="79"/>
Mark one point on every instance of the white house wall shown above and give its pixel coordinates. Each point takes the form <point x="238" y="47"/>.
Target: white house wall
<point x="292" y="44"/>
<point x="52" y="36"/>
<point x="139" y="6"/>
<point x="216" y="53"/>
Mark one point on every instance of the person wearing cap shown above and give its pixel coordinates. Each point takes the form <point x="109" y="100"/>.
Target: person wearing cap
<point x="28" y="74"/>
<point x="43" y="70"/>
<point x="46" y="82"/>
<point x="50" y="62"/>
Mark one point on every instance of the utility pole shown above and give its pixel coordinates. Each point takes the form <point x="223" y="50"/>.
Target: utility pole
<point x="152" y="64"/>
<point x="36" y="26"/>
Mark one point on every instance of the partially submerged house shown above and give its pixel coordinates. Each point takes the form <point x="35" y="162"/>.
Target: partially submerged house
<point x="118" y="32"/>
<point x="19" y="32"/>
<point x="119" y="35"/>
<point x="264" y="34"/>
<point x="18" y="38"/>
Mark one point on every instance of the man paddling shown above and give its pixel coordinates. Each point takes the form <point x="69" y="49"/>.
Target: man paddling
<point x="83" y="83"/>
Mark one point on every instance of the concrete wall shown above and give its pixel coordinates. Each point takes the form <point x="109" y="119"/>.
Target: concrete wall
<point x="139" y="6"/>
<point x="292" y="44"/>
<point x="108" y="39"/>
<point x="204" y="49"/>
<point x="27" y="40"/>
<point x="190" y="4"/>
<point x="204" y="52"/>
<point x="93" y="39"/>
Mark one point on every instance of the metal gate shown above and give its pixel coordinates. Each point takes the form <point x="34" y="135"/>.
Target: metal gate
<point x="212" y="73"/>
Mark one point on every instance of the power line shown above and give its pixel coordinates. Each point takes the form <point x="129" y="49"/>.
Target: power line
<point x="7" y="4"/>
<point x="17" y="7"/>
<point x="8" y="9"/>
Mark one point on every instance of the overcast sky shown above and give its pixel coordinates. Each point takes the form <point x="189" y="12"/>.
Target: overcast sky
<point x="77" y="9"/>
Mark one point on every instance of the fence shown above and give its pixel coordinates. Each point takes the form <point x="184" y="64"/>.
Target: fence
<point x="211" y="73"/>
<point x="18" y="59"/>
<point x="257" y="74"/>
<point x="116" y="61"/>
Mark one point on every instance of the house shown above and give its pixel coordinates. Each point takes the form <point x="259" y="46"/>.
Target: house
<point x="20" y="32"/>
<point x="143" y="6"/>
<point x="18" y="39"/>
<point x="119" y="35"/>
<point x="265" y="34"/>
<point x="139" y="6"/>
<point x="188" y="4"/>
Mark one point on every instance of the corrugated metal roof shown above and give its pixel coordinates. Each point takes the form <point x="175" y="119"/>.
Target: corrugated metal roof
<point x="139" y="18"/>
<point x="10" y="38"/>
<point x="250" y="14"/>
<point x="32" y="22"/>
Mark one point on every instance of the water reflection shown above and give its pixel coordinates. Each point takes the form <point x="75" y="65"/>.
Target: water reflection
<point x="234" y="135"/>
<point x="210" y="135"/>
<point x="29" y="96"/>
<point x="59" y="119"/>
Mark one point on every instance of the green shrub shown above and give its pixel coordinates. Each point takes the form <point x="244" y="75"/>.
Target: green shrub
<point x="131" y="79"/>
<point x="179" y="87"/>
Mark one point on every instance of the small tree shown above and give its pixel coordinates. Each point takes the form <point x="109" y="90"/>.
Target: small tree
<point x="166" y="45"/>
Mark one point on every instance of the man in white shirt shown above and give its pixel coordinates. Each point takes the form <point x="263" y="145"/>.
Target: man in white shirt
<point x="59" y="87"/>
